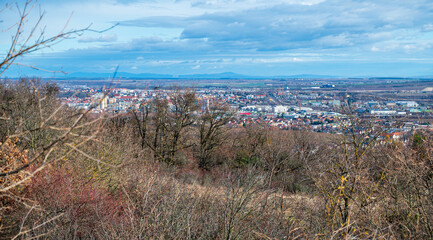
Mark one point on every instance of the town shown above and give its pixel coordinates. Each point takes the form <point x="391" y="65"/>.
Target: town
<point x="323" y="108"/>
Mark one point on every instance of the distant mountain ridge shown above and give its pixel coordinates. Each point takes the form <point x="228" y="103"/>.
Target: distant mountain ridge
<point x="223" y="75"/>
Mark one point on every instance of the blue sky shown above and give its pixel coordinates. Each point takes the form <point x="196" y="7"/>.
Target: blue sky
<point x="252" y="37"/>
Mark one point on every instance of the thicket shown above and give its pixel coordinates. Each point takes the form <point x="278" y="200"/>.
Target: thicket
<point x="175" y="169"/>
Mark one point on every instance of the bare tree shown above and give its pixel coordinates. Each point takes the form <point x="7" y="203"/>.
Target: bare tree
<point x="346" y="180"/>
<point x="28" y="38"/>
<point x="36" y="131"/>
<point x="211" y="129"/>
<point x="141" y="117"/>
<point x="24" y="41"/>
<point x="162" y="124"/>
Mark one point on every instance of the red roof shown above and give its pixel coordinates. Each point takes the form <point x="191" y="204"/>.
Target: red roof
<point x="127" y="97"/>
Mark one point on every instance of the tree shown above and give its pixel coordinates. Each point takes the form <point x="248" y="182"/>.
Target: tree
<point x="32" y="101"/>
<point x="36" y="131"/>
<point x="210" y="126"/>
<point x="30" y="37"/>
<point x="162" y="124"/>
<point x="347" y="179"/>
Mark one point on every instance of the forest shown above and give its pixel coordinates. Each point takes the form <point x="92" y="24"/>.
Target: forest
<point x="176" y="169"/>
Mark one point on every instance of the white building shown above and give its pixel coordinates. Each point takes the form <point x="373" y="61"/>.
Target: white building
<point x="281" y="109"/>
<point x="383" y="112"/>
<point x="410" y="104"/>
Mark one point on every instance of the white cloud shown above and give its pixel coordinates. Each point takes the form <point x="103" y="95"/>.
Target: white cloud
<point x="427" y="27"/>
<point x="185" y="34"/>
<point x="101" y="38"/>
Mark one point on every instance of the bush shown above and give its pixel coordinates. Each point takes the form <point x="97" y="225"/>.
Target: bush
<point x="83" y="209"/>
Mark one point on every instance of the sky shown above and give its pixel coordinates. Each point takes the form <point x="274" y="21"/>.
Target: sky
<point x="344" y="38"/>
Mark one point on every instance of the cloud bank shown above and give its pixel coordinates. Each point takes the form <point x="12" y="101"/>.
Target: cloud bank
<point x="349" y="37"/>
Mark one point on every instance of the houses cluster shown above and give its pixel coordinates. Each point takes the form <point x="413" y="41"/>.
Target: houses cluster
<point x="321" y="111"/>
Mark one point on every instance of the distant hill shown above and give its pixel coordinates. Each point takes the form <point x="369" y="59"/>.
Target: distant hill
<point x="119" y="74"/>
<point x="308" y="76"/>
<point x="224" y="75"/>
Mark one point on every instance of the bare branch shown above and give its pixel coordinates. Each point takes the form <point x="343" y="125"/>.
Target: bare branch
<point x="38" y="68"/>
<point x="21" y="45"/>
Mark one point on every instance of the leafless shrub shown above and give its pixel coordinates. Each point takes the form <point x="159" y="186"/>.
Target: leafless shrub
<point x="49" y="135"/>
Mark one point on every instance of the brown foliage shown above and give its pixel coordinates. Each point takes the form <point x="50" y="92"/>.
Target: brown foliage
<point x="11" y="157"/>
<point x="85" y="208"/>
<point x="100" y="181"/>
